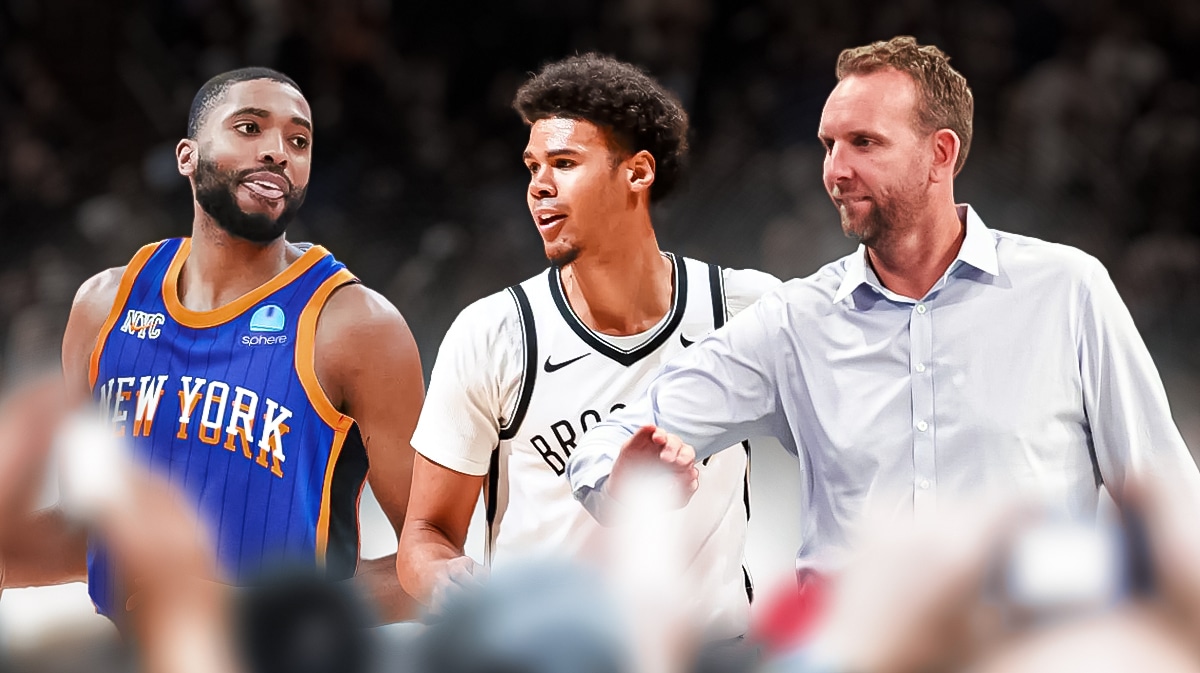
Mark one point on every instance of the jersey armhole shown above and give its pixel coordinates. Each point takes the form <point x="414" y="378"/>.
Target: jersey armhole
<point x="716" y="286"/>
<point x="529" y="375"/>
<point x="305" y="354"/>
<point x="128" y="277"/>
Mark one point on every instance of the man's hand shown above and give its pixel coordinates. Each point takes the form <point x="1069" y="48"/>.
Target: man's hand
<point x="650" y="454"/>
<point x="378" y="581"/>
<point x="455" y="575"/>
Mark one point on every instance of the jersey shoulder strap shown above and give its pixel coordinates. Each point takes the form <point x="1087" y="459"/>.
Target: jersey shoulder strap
<point x="529" y="375"/>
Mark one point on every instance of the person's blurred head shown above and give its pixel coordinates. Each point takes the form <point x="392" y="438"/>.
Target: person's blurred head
<point x="298" y="622"/>
<point x="248" y="152"/>
<point x="605" y="139"/>
<point x="896" y="130"/>
<point x="543" y="617"/>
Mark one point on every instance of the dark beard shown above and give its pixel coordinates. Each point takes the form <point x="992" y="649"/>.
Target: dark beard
<point x="884" y="220"/>
<point x="871" y="228"/>
<point x="215" y="194"/>
<point x="563" y="258"/>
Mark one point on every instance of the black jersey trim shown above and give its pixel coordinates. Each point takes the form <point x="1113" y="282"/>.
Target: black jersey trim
<point x="716" y="285"/>
<point x="625" y="358"/>
<point x="529" y="338"/>
<point x="746" y="499"/>
<point x="349" y="475"/>
<point x="491" y="497"/>
<point x="746" y="483"/>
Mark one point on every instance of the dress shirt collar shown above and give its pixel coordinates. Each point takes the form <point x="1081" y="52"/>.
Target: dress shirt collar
<point x="978" y="250"/>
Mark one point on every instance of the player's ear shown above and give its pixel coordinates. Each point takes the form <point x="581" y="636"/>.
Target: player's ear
<point x="186" y="157"/>
<point x="640" y="171"/>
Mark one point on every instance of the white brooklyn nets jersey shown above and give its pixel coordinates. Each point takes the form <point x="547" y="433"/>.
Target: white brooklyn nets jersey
<point x="572" y="379"/>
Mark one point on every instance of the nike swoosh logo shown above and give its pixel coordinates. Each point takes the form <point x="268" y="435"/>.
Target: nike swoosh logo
<point x="552" y="367"/>
<point x="684" y="340"/>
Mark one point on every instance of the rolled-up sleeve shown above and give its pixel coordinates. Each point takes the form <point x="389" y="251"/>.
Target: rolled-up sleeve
<point x="718" y="392"/>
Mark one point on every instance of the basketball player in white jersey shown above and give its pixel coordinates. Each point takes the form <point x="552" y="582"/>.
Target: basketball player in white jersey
<point x="523" y="373"/>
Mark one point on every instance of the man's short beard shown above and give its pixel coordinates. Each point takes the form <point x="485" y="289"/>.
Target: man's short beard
<point x="560" y="259"/>
<point x="870" y="229"/>
<point x="883" y="220"/>
<point x="215" y="194"/>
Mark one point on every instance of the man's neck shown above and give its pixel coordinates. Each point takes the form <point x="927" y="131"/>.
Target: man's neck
<point x="622" y="291"/>
<point x="220" y="267"/>
<point x="910" y="262"/>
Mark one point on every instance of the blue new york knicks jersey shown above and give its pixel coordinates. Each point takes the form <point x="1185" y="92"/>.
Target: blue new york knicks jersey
<point x="226" y="405"/>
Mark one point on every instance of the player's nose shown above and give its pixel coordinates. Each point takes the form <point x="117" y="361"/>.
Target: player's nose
<point x="272" y="149"/>
<point x="541" y="184"/>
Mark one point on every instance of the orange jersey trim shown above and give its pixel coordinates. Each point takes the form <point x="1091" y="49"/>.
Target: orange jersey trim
<point x="127" y="279"/>
<point x="306" y="371"/>
<point x="219" y="316"/>
<point x="339" y="438"/>
<point x="306" y="351"/>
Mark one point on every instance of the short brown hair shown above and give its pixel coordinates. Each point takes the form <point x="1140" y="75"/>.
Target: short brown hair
<point x="944" y="99"/>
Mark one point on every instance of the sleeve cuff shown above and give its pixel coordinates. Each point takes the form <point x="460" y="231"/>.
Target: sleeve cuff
<point x="459" y="464"/>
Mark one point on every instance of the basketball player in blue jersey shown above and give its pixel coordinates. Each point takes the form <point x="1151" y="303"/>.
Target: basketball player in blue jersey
<point x="523" y="373"/>
<point x="257" y="375"/>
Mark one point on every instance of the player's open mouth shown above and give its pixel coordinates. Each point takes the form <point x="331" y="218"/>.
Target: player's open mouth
<point x="548" y="220"/>
<point x="266" y="185"/>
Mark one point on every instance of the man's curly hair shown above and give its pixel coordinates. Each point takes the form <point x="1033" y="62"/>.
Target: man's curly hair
<point x="619" y="97"/>
<point x="944" y="100"/>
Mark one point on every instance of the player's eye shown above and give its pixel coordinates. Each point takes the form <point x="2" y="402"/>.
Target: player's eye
<point x="246" y="127"/>
<point x="863" y="142"/>
<point x="301" y="142"/>
<point x="564" y="163"/>
<point x="533" y="168"/>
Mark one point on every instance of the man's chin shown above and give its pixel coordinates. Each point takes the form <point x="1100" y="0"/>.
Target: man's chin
<point x="853" y="229"/>
<point x="253" y="227"/>
<point x="561" y="256"/>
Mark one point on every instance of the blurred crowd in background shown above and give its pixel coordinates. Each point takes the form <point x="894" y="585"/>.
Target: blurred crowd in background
<point x="1087" y="132"/>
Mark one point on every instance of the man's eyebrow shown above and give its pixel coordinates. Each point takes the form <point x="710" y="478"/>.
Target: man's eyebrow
<point x="253" y="112"/>
<point x="552" y="153"/>
<point x="263" y="114"/>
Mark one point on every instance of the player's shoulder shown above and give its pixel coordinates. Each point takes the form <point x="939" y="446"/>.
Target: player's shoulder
<point x="488" y="319"/>
<point x="743" y="287"/>
<point x="361" y="302"/>
<point x="748" y="284"/>
<point x="95" y="297"/>
<point x="100" y="291"/>
<point x="360" y="322"/>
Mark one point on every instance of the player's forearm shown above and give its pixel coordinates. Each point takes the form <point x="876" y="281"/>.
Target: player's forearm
<point x="378" y="580"/>
<point x="183" y="627"/>
<point x="46" y="549"/>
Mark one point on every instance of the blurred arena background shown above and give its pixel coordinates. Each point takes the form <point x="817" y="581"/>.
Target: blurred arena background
<point x="1087" y="132"/>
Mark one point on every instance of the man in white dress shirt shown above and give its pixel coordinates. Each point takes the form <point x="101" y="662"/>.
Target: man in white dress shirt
<point x="942" y="361"/>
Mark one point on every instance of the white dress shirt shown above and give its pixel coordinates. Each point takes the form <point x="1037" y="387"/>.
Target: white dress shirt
<point x="1019" y="373"/>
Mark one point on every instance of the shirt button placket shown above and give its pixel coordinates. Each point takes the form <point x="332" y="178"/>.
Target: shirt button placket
<point x="924" y="413"/>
